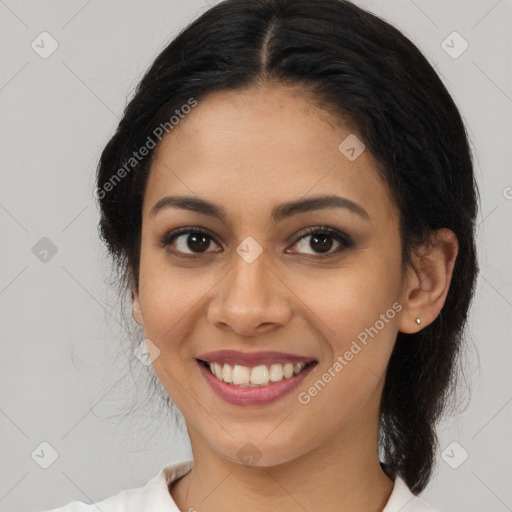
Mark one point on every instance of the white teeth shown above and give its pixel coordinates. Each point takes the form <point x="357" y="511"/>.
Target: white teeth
<point x="288" y="370"/>
<point x="298" y="367"/>
<point x="260" y="375"/>
<point x="218" y="370"/>
<point x="227" y="373"/>
<point x="256" y="376"/>
<point x="241" y="374"/>
<point x="276" y="372"/>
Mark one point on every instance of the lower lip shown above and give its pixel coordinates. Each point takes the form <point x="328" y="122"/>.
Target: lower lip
<point x="244" y="395"/>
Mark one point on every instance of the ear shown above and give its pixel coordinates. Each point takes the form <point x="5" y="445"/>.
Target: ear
<point x="427" y="284"/>
<point x="136" y="309"/>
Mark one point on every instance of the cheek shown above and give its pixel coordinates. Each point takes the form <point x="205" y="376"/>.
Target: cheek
<point x="169" y="311"/>
<point x="351" y="299"/>
<point x="167" y="291"/>
<point x="359" y="318"/>
<point x="172" y="312"/>
<point x="169" y="299"/>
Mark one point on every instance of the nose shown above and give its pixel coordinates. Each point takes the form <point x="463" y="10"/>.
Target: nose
<point x="250" y="300"/>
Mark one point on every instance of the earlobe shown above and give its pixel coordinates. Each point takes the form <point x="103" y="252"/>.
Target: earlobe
<point x="428" y="283"/>
<point x="136" y="309"/>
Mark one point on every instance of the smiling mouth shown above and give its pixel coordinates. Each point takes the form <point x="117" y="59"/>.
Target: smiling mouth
<point x="255" y="376"/>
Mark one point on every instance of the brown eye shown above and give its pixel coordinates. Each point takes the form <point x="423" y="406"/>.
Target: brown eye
<point x="188" y="241"/>
<point x="196" y="242"/>
<point x="322" y="240"/>
<point x="321" y="243"/>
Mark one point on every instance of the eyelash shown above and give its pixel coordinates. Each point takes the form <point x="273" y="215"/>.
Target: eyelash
<point x="340" y="237"/>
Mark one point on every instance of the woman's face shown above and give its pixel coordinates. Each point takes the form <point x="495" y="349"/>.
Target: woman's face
<point x="258" y="281"/>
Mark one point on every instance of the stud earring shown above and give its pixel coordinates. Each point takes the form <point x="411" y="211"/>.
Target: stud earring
<point x="418" y="321"/>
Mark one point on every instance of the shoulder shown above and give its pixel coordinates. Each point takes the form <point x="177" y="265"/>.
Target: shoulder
<point x="127" y="500"/>
<point x="154" y="496"/>
<point x="403" y="500"/>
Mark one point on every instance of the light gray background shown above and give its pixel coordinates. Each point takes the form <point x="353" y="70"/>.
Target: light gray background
<point x="61" y="366"/>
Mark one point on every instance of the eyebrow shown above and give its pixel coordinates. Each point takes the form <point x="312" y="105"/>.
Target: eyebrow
<point x="278" y="212"/>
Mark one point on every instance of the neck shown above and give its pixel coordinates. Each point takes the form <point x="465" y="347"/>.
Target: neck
<point x="341" y="474"/>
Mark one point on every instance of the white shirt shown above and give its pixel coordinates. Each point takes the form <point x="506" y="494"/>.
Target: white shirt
<point x="155" y="496"/>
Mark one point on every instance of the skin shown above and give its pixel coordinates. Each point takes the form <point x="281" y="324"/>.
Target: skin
<point x="249" y="151"/>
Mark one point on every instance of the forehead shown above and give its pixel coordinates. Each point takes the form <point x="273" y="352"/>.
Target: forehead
<point x="256" y="147"/>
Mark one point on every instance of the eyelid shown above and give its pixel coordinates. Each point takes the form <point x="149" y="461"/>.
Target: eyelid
<point x="319" y="228"/>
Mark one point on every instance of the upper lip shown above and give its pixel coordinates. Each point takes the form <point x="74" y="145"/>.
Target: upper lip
<point x="252" y="358"/>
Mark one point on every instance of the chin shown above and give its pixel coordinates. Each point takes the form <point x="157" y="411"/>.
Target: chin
<point x="259" y="451"/>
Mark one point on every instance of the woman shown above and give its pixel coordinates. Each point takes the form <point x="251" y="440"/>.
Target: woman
<point x="289" y="198"/>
